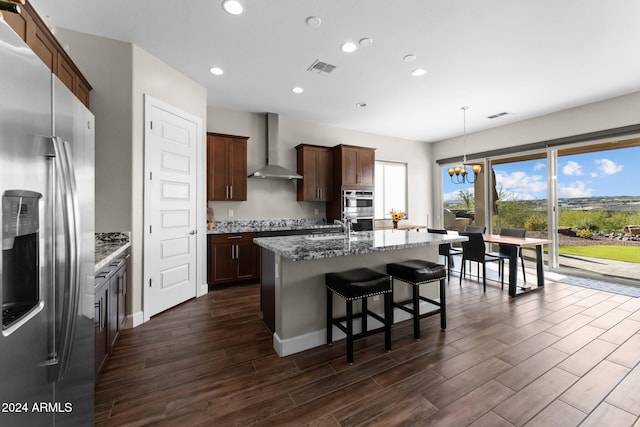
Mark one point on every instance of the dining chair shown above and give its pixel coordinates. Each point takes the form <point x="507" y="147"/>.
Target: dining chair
<point x="446" y="250"/>
<point x="504" y="251"/>
<point x="475" y="250"/>
<point x="474" y="229"/>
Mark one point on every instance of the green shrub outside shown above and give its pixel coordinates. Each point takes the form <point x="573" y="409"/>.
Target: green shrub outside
<point x="536" y="223"/>
<point x="584" y="233"/>
<point x="523" y="214"/>
<point x="598" y="220"/>
<point x="513" y="214"/>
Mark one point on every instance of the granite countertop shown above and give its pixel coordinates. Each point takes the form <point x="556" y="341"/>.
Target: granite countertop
<point x="109" y="246"/>
<point x="301" y="248"/>
<point x="256" y="226"/>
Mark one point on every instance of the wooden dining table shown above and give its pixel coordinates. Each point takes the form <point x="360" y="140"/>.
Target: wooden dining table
<point x="514" y="243"/>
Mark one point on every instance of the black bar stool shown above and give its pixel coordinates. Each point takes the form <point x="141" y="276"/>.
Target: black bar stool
<point x="359" y="284"/>
<point x="418" y="272"/>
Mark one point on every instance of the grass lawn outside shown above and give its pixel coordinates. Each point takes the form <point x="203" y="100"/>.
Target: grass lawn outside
<point x="613" y="252"/>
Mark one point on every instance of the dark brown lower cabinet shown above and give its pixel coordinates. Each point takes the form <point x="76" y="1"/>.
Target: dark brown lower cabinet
<point x="232" y="258"/>
<point x="110" y="307"/>
<point x="100" y="323"/>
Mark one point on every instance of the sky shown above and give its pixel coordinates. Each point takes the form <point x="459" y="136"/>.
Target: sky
<point x="603" y="173"/>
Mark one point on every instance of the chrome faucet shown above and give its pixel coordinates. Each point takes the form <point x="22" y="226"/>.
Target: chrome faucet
<point x="346" y="224"/>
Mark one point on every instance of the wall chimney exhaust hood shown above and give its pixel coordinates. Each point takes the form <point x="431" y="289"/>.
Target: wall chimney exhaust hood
<point x="273" y="170"/>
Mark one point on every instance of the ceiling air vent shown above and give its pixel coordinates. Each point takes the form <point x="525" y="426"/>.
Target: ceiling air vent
<point x="320" y="67"/>
<point x="495" y="116"/>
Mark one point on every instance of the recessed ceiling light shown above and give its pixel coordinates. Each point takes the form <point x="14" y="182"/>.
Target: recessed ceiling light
<point x="233" y="7"/>
<point x="216" y="71"/>
<point x="409" y="58"/>
<point x="361" y="104"/>
<point x="297" y="89"/>
<point x="349" y="47"/>
<point x="313" y="21"/>
<point x="365" y="42"/>
<point x="418" y="72"/>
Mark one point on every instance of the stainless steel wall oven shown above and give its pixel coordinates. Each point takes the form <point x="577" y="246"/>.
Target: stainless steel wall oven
<point x="358" y="207"/>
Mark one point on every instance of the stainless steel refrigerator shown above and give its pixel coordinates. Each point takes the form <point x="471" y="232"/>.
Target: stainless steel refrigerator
<point x="47" y="257"/>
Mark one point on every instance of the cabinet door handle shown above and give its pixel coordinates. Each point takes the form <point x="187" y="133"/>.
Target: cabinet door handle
<point x="99" y="323"/>
<point x="231" y="192"/>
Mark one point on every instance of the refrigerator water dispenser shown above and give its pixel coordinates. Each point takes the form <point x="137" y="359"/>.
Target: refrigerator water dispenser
<point x="20" y="258"/>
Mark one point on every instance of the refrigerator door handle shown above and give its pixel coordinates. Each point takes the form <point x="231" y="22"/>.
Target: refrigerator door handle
<point x="67" y="185"/>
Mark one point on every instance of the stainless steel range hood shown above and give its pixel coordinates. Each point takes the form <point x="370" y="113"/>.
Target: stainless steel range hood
<point x="273" y="170"/>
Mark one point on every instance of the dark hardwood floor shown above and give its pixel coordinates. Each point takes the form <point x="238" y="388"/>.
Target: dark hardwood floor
<point x="563" y="356"/>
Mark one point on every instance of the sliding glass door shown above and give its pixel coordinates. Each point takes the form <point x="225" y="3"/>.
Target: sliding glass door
<point x="519" y="187"/>
<point x="581" y="197"/>
<point x="599" y="210"/>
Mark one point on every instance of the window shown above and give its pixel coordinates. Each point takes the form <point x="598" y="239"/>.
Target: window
<point x="391" y="188"/>
<point x="462" y="206"/>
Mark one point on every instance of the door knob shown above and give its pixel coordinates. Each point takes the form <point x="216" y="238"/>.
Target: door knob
<point x="192" y="232"/>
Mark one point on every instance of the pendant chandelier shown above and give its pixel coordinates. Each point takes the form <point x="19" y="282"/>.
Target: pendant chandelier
<point x="460" y="174"/>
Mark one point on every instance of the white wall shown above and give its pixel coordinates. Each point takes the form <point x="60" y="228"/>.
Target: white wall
<point x="270" y="199"/>
<point x="111" y="104"/>
<point x="266" y="198"/>
<point x="608" y="114"/>
<point x="416" y="154"/>
<point x="120" y="74"/>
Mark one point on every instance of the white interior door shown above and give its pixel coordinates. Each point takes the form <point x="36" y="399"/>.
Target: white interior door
<point x="170" y="250"/>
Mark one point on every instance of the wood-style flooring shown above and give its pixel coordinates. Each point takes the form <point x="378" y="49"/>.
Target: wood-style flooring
<point x="562" y="356"/>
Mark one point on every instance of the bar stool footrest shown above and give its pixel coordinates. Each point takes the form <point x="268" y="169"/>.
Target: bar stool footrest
<point x="402" y="305"/>
<point x="338" y="322"/>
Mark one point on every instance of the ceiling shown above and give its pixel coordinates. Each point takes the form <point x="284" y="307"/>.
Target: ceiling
<point x="526" y="58"/>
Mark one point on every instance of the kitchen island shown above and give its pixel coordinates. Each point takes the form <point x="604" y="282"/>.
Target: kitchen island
<point x="293" y="269"/>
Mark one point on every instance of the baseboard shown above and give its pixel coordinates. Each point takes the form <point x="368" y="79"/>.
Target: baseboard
<point x="300" y="343"/>
<point x="135" y="319"/>
<point x="204" y="289"/>
<point x="313" y="339"/>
